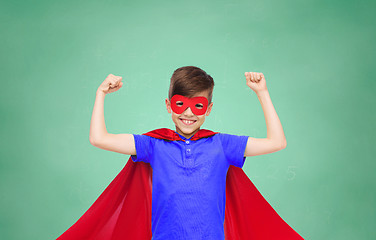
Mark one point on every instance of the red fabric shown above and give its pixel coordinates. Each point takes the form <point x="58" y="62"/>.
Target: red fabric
<point x="123" y="210"/>
<point x="189" y="102"/>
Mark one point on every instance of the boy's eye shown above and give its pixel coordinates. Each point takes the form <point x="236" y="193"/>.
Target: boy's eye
<point x="199" y="105"/>
<point x="179" y="103"/>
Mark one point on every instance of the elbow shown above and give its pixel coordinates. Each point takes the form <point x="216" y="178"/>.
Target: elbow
<point x="96" y="140"/>
<point x="92" y="141"/>
<point x="283" y="144"/>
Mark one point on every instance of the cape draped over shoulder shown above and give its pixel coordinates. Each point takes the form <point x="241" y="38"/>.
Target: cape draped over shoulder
<point x="123" y="210"/>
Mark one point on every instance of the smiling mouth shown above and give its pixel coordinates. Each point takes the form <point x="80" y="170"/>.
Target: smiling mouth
<point x="187" y="122"/>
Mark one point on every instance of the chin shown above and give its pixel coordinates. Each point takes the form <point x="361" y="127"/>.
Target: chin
<point x="187" y="130"/>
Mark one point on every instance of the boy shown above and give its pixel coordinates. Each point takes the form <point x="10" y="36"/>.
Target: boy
<point x="191" y="171"/>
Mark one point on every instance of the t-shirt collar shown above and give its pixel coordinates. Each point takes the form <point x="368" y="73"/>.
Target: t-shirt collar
<point x="184" y="138"/>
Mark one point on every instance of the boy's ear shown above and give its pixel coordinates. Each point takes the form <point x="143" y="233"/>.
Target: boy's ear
<point x="209" y="109"/>
<point x="168" y="105"/>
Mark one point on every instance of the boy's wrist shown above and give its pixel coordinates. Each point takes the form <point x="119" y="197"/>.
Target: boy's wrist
<point x="100" y="93"/>
<point x="262" y="93"/>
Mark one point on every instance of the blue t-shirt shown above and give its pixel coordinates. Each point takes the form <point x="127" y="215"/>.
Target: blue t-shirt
<point x="189" y="183"/>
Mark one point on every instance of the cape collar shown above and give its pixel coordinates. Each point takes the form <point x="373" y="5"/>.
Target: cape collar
<point x="168" y="134"/>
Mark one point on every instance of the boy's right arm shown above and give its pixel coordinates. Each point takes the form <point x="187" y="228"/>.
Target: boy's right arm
<point x="121" y="143"/>
<point x="99" y="137"/>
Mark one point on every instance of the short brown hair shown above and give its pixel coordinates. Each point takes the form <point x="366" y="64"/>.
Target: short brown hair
<point x="189" y="80"/>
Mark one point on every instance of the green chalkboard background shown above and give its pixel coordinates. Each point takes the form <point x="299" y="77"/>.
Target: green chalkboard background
<point x="318" y="58"/>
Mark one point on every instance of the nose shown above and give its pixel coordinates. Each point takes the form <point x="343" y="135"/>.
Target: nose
<point x="188" y="112"/>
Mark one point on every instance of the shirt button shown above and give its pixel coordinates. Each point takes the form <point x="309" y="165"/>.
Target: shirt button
<point x="187" y="142"/>
<point x="188" y="150"/>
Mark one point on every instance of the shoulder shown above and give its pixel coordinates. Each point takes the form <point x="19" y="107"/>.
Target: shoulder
<point x="228" y="135"/>
<point x="144" y="138"/>
<point x="228" y="139"/>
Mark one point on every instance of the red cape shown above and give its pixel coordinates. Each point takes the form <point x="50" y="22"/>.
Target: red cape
<point x="123" y="210"/>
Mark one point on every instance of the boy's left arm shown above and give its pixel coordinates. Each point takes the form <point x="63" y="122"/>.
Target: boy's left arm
<point x="275" y="139"/>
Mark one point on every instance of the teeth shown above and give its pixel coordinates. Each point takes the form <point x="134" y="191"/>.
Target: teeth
<point x="188" y="122"/>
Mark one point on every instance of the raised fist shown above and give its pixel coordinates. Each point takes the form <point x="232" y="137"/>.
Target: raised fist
<point x="111" y="84"/>
<point x="256" y="81"/>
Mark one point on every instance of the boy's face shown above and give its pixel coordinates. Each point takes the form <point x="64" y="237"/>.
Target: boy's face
<point x="188" y="129"/>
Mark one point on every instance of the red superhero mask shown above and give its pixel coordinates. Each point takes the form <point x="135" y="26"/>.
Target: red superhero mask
<point x="198" y="105"/>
